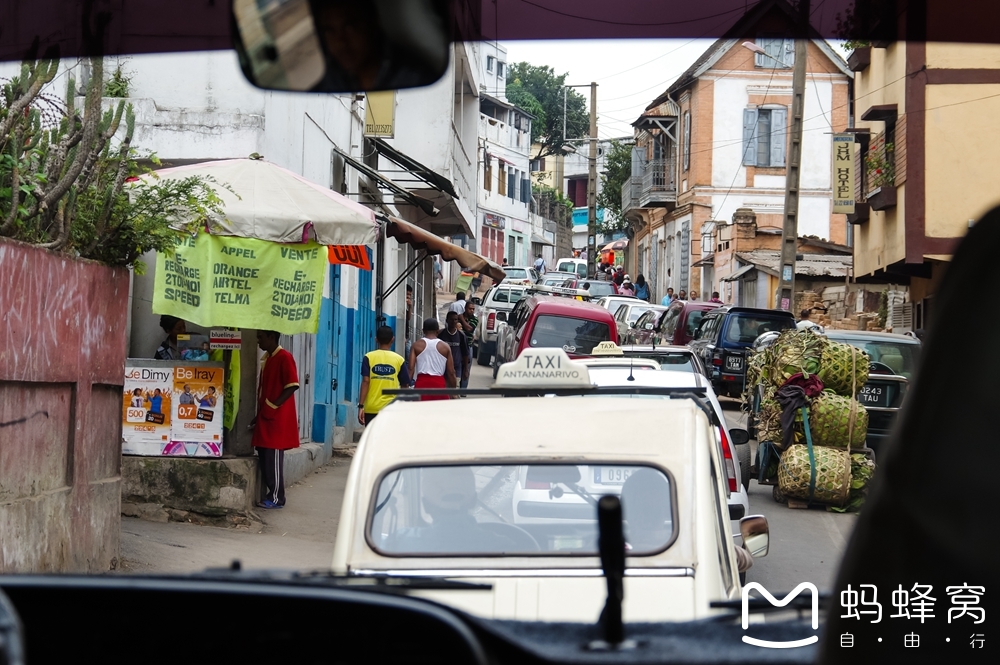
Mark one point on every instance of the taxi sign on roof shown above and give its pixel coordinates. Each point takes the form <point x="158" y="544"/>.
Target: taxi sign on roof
<point x="607" y="348"/>
<point x="543" y="368"/>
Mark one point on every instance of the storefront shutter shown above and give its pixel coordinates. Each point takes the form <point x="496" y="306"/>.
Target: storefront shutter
<point x="749" y="137"/>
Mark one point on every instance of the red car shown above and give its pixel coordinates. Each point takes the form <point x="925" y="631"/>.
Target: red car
<point x="675" y="326"/>
<point x="547" y="321"/>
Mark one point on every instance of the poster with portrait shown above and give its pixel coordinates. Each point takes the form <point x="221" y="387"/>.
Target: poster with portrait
<point x="197" y="398"/>
<point x="146" y="409"/>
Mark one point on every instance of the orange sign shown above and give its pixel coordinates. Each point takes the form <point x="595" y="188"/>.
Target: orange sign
<point x="350" y="255"/>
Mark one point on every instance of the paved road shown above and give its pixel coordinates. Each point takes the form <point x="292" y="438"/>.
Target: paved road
<point x="806" y="545"/>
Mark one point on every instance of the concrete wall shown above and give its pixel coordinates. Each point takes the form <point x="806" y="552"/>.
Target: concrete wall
<point x="62" y="367"/>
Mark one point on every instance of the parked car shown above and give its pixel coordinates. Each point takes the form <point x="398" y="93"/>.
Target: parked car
<point x="555" y="278"/>
<point x="498" y="300"/>
<point x="520" y="275"/>
<point x="596" y="287"/>
<point x="576" y="267"/>
<point x="676" y="324"/>
<point x="893" y="365"/>
<point x="627" y="313"/>
<point x="548" y="321"/>
<point x="501" y="510"/>
<point x="723" y="337"/>
<point x="611" y="303"/>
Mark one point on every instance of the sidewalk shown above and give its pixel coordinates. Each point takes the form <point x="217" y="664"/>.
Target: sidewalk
<point x="298" y="536"/>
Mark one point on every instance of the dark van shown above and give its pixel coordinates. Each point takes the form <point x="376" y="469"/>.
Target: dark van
<point x="723" y="337"/>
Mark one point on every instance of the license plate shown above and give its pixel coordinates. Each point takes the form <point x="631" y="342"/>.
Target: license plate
<point x="874" y="396"/>
<point x="611" y="475"/>
<point x="734" y="362"/>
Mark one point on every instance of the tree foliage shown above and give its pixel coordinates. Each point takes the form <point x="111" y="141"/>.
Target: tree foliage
<point x="618" y="171"/>
<point x="539" y="91"/>
<point x="68" y="184"/>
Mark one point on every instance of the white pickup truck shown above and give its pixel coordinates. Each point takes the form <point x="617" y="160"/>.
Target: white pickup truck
<point x="500" y="298"/>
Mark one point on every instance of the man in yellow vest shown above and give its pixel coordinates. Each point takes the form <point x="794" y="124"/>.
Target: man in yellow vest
<point x="381" y="370"/>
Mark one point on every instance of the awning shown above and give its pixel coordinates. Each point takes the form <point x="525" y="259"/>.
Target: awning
<point x="707" y="261"/>
<point x="539" y="240"/>
<point x="432" y="178"/>
<point x="435" y="245"/>
<point x="401" y="192"/>
<point x="739" y="273"/>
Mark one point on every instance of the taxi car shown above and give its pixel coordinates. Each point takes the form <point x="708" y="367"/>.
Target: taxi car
<point x="671" y="358"/>
<point x="486" y="511"/>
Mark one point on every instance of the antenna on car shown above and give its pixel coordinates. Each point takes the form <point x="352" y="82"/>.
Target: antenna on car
<point x="611" y="544"/>
<point x="631" y="368"/>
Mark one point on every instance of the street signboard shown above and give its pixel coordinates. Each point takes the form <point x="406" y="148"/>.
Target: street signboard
<point x="225" y="340"/>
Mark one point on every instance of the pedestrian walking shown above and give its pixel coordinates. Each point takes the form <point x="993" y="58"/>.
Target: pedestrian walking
<point x="382" y="369"/>
<point x="669" y="298"/>
<point x="626" y="289"/>
<point x="276" y="425"/>
<point x="477" y="281"/>
<point x="459" y="305"/>
<point x="468" y="319"/>
<point x="619" y="276"/>
<point x="682" y="295"/>
<point x="438" y="277"/>
<point x="641" y="288"/>
<point x="715" y="298"/>
<point x="461" y="355"/>
<point x="540" y="264"/>
<point x="430" y="361"/>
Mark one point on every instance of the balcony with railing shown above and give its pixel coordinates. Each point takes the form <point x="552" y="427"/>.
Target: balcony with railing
<point x="658" y="186"/>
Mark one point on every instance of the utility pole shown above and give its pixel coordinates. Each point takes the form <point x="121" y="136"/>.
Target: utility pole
<point x="790" y="226"/>
<point x="592" y="188"/>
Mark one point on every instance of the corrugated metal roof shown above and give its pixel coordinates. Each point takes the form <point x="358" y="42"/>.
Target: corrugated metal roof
<point x="811" y="265"/>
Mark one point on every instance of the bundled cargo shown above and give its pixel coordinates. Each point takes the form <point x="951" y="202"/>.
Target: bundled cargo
<point x="833" y="474"/>
<point x="794" y="352"/>
<point x="862" y="472"/>
<point x="843" y="368"/>
<point x="837" y="421"/>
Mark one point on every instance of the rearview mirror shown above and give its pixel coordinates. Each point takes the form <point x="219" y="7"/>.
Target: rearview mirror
<point x="341" y="45"/>
<point x="477" y="301"/>
<point x="739" y="436"/>
<point x="754" y="531"/>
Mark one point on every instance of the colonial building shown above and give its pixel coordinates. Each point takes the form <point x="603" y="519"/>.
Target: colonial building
<point x="716" y="140"/>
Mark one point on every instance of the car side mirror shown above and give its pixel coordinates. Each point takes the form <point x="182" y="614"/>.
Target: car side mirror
<point x="477" y="301"/>
<point x="296" y="45"/>
<point x="739" y="436"/>
<point x="502" y="316"/>
<point x="754" y="531"/>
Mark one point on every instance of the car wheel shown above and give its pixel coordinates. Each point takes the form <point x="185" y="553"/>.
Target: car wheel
<point x="483" y="359"/>
<point x="743" y="454"/>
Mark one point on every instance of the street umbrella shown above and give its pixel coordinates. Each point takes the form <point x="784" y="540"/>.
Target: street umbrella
<point x="263" y="200"/>
<point x="615" y="246"/>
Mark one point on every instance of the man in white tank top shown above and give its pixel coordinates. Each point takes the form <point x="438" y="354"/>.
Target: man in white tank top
<point x="430" y="361"/>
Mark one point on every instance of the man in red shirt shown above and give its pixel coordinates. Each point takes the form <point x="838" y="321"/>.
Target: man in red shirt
<point x="276" y="425"/>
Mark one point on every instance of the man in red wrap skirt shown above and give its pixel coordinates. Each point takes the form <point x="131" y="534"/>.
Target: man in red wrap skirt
<point x="276" y="426"/>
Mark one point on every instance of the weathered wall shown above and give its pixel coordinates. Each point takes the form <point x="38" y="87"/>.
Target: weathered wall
<point x="62" y="366"/>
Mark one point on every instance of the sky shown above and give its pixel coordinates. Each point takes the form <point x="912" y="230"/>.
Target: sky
<point x="629" y="73"/>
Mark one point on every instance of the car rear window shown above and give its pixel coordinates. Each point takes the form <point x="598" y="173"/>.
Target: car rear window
<point x="745" y="327"/>
<point x="508" y="295"/>
<point x="675" y="362"/>
<point x="636" y="312"/>
<point x="516" y="273"/>
<point x="598" y="289"/>
<point x="693" y="319"/>
<point x="571" y="334"/>
<point x="517" y="509"/>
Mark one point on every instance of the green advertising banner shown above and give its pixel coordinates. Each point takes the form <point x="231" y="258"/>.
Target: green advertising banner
<point x="216" y="280"/>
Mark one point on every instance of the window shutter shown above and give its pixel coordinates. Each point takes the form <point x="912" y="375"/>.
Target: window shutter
<point x="687" y="140"/>
<point x="788" y="52"/>
<point x="638" y="160"/>
<point x="511" y="179"/>
<point x="779" y="132"/>
<point x="749" y="136"/>
<point x="525" y="190"/>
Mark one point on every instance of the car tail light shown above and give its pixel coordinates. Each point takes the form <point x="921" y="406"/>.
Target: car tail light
<point x="536" y="485"/>
<point x="727" y="456"/>
<point x="491" y="321"/>
<point x="717" y="359"/>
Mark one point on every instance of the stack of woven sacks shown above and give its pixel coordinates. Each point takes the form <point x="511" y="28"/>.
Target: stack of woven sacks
<point x="832" y="374"/>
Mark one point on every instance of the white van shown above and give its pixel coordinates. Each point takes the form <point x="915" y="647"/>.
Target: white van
<point x="578" y="266"/>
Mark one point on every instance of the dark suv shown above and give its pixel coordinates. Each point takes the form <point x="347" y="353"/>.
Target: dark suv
<point x="723" y="338"/>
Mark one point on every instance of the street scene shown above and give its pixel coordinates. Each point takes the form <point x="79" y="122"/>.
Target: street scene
<point x="540" y="324"/>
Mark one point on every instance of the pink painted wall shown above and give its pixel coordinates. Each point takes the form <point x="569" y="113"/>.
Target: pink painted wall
<point x="62" y="362"/>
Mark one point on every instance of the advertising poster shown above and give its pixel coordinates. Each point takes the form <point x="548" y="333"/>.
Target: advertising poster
<point x="146" y="409"/>
<point x="197" y="411"/>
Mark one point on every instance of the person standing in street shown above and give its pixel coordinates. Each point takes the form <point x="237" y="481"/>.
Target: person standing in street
<point x="715" y="298"/>
<point x="468" y="319"/>
<point x="504" y="264"/>
<point x="461" y="355"/>
<point x="540" y="264"/>
<point x="431" y="363"/>
<point x="459" y="305"/>
<point x="641" y="288"/>
<point x="438" y="278"/>
<point x="682" y="295"/>
<point x="382" y="369"/>
<point x="276" y="425"/>
<point x="173" y="327"/>
<point x="669" y="298"/>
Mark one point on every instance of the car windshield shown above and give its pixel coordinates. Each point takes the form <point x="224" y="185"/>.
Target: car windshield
<point x="900" y="358"/>
<point x="598" y="288"/>
<point x="517" y="509"/>
<point x="572" y="334"/>
<point x="745" y="327"/>
<point x="673" y="361"/>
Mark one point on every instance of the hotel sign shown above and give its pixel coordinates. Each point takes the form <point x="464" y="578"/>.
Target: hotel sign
<point x="843" y="173"/>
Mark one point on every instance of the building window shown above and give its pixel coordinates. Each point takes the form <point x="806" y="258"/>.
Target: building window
<point x="780" y="50"/>
<point x="764" y="132"/>
<point x="502" y="188"/>
<point x="538" y="164"/>
<point x="500" y="68"/>
<point x="489" y="63"/>
<point x="512" y="184"/>
<point x="687" y="140"/>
